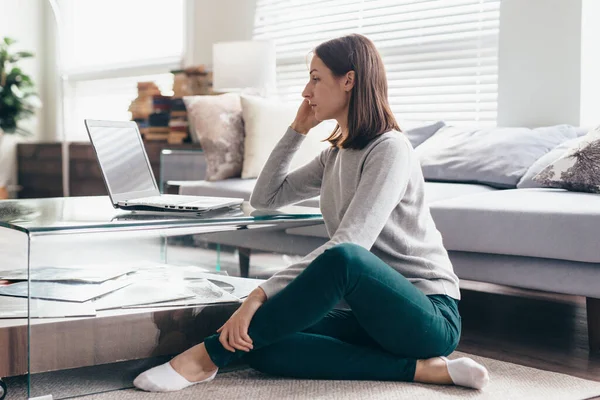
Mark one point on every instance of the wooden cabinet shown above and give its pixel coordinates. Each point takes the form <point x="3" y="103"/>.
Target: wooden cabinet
<point x="40" y="168"/>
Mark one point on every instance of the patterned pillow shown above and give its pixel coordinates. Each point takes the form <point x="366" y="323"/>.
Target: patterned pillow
<point x="219" y="127"/>
<point x="578" y="170"/>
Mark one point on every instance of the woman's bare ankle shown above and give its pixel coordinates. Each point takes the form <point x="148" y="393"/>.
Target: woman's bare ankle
<point x="205" y="361"/>
<point x="432" y="370"/>
<point x="194" y="364"/>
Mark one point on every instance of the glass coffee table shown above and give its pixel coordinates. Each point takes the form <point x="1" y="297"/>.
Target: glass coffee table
<point x="85" y="285"/>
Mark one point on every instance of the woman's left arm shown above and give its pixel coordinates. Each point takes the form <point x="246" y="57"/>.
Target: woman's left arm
<point x="383" y="182"/>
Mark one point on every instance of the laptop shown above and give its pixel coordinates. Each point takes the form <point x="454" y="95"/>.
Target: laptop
<point x="128" y="175"/>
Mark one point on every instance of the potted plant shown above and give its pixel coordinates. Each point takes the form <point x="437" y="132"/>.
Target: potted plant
<point x="18" y="101"/>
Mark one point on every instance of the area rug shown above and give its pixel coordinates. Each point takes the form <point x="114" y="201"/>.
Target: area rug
<point x="508" y="381"/>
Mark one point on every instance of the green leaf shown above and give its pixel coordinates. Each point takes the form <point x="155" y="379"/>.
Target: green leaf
<point x="18" y="99"/>
<point x="23" y="132"/>
<point x="16" y="91"/>
<point x="25" y="54"/>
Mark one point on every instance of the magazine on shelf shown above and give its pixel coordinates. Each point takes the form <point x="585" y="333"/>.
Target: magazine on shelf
<point x="16" y="307"/>
<point x="88" y="273"/>
<point x="150" y="285"/>
<point x="203" y="292"/>
<point x="76" y="292"/>
<point x="242" y="286"/>
<point x="145" y="293"/>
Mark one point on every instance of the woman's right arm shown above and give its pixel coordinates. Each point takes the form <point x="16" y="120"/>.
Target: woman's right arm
<point x="276" y="186"/>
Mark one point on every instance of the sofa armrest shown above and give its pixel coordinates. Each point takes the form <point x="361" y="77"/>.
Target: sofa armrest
<point x="177" y="187"/>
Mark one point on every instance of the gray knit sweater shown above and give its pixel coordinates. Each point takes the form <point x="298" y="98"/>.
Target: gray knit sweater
<point x="372" y="197"/>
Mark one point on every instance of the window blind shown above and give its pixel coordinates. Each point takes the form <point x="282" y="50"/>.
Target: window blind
<point x="440" y="55"/>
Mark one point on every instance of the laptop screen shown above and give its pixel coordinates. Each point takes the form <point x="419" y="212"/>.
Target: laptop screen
<point x="122" y="158"/>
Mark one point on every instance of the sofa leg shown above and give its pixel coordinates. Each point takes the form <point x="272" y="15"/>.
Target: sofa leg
<point x="244" y="258"/>
<point x="593" y="320"/>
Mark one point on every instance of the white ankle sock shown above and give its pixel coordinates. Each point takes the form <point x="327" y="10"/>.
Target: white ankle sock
<point x="164" y="379"/>
<point x="466" y="372"/>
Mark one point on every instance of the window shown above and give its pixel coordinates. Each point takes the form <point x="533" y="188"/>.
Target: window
<point x="440" y="55"/>
<point x="107" y="47"/>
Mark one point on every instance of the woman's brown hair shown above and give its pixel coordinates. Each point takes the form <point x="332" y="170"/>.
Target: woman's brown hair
<point x="369" y="113"/>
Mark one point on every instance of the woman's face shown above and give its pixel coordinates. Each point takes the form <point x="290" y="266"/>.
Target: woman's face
<point x="327" y="94"/>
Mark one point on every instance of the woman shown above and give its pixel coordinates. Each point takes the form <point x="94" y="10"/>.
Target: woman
<point x="345" y="312"/>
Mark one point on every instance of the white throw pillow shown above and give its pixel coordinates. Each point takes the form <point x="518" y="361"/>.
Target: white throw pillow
<point x="265" y="122"/>
<point x="578" y="169"/>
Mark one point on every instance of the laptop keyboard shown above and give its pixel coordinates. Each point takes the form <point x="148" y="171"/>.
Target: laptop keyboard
<point x="165" y="200"/>
<point x="173" y="200"/>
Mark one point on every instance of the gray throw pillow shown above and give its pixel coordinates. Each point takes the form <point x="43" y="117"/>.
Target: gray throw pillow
<point x="527" y="180"/>
<point x="497" y="157"/>
<point x="578" y="169"/>
<point x="417" y="136"/>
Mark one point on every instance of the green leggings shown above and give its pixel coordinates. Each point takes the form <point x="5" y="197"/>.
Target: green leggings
<point x="298" y="333"/>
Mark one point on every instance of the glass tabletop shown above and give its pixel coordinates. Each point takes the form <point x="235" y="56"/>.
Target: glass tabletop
<point x="73" y="213"/>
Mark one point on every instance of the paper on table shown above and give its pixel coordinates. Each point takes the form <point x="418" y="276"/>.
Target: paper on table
<point x="167" y="272"/>
<point x="205" y="292"/>
<point x="89" y="273"/>
<point x="78" y="292"/>
<point x="243" y="286"/>
<point x="143" y="293"/>
<point x="170" y="271"/>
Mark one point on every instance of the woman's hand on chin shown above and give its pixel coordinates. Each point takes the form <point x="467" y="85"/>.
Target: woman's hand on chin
<point x="305" y="118"/>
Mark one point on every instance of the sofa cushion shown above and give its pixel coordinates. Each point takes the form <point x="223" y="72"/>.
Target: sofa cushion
<point x="237" y="187"/>
<point x="434" y="191"/>
<point x="547" y="223"/>
<point x="497" y="157"/>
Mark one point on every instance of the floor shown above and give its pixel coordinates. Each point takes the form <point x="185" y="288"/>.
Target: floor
<point x="536" y="329"/>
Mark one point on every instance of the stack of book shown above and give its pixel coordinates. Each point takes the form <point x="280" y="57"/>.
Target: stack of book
<point x="192" y="81"/>
<point x="178" y="122"/>
<point x="141" y="107"/>
<point x="158" y="120"/>
<point x="199" y="80"/>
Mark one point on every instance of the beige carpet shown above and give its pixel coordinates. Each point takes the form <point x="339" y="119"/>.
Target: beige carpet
<point x="508" y="381"/>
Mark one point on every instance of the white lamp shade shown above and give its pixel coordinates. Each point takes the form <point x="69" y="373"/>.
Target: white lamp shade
<point x="244" y="64"/>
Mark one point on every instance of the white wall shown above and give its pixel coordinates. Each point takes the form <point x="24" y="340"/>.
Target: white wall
<point x="590" y="63"/>
<point x="539" y="67"/>
<point x="23" y="20"/>
<point x="218" y="21"/>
